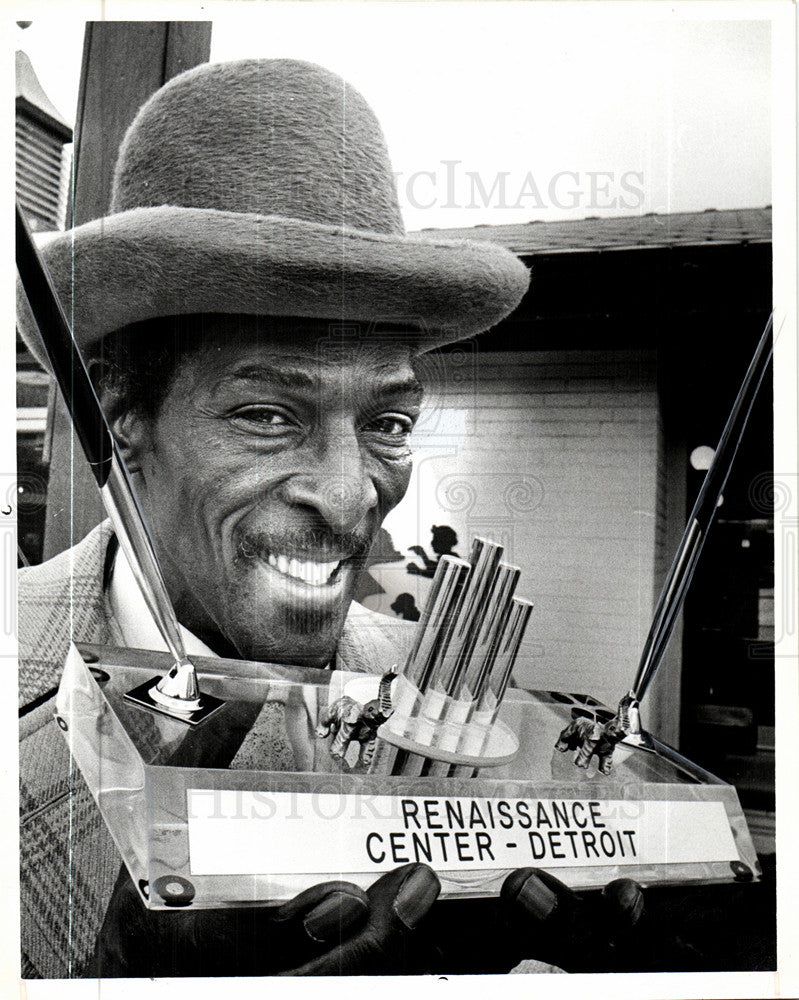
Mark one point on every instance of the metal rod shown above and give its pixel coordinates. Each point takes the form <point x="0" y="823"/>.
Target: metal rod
<point x="62" y="352"/>
<point x="489" y="631"/>
<point x="130" y="527"/>
<point x="437" y="620"/>
<point x="495" y="679"/>
<point x="484" y="558"/>
<point x="498" y="678"/>
<point x="682" y="569"/>
<point x="102" y="453"/>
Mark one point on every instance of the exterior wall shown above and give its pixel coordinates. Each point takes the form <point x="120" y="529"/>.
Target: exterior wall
<point x="663" y="703"/>
<point x="40" y="174"/>
<point x="554" y="454"/>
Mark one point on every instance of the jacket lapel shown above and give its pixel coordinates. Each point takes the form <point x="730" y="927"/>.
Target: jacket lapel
<point x="68" y="862"/>
<point x="59" y="602"/>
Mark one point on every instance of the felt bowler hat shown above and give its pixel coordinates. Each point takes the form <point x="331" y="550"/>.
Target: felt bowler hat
<point x="264" y="187"/>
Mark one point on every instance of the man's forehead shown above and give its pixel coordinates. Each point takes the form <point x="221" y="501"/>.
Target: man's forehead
<point x="304" y="356"/>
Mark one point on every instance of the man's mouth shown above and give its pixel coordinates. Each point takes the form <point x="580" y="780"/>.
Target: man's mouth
<point x="310" y="571"/>
<point x="312" y="566"/>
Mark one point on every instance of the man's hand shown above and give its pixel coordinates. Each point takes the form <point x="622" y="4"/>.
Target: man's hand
<point x="330" y="929"/>
<point x="548" y="922"/>
<point x="386" y="943"/>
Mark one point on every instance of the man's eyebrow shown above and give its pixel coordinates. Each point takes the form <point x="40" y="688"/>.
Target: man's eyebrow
<point x="292" y="377"/>
<point x="410" y="385"/>
<point x="285" y="375"/>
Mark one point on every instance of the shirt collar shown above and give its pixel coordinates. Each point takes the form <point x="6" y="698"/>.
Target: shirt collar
<point x="132" y="616"/>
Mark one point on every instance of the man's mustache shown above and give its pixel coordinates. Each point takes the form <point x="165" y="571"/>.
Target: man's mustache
<point x="317" y="543"/>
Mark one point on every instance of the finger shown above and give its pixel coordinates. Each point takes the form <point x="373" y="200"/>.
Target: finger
<point x="332" y="920"/>
<point x="623" y="901"/>
<point x="624" y="946"/>
<point x="536" y="896"/>
<point x="401" y="898"/>
<point x="258" y="941"/>
<point x="387" y="943"/>
<point x="543" y="917"/>
<point x="550" y="922"/>
<point x="319" y="918"/>
<point x="305" y="901"/>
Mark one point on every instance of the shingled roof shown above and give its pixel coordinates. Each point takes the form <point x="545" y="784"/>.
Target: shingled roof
<point x="631" y="232"/>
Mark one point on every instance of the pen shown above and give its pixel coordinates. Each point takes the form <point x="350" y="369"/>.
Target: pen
<point x="178" y="689"/>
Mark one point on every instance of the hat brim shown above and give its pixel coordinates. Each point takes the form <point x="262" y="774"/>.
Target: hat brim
<point x="167" y="261"/>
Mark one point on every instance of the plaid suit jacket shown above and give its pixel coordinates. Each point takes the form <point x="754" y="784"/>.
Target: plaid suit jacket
<point x="69" y="863"/>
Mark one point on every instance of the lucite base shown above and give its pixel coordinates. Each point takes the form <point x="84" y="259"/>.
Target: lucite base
<point x="201" y="821"/>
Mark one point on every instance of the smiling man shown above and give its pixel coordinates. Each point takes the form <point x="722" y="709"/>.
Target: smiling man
<point x="251" y="309"/>
<point x="252" y="312"/>
<point x="289" y="443"/>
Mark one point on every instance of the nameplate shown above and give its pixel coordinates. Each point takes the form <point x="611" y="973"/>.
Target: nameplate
<point x="244" y="832"/>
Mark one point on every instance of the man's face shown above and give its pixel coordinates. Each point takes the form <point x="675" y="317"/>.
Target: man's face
<point x="265" y="476"/>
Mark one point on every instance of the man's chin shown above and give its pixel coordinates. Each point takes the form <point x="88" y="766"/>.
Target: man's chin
<point x="300" y="655"/>
<point x="293" y="647"/>
<point x="287" y="621"/>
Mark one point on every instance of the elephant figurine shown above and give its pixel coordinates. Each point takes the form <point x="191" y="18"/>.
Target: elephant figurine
<point x="351" y="722"/>
<point x="590" y="738"/>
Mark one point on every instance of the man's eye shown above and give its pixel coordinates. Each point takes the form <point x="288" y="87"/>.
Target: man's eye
<point x="263" y="416"/>
<point x="392" y="425"/>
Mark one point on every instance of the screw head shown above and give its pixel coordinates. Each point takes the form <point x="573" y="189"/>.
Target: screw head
<point x="741" y="871"/>
<point x="174" y="890"/>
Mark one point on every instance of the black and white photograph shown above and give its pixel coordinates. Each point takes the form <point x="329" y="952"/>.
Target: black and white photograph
<point x="401" y="505"/>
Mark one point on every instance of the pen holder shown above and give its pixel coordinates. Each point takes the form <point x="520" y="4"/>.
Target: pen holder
<point x="198" y="825"/>
<point x="446" y="700"/>
<point x="434" y="732"/>
<point x="444" y="728"/>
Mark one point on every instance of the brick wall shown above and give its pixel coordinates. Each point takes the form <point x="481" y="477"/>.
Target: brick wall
<point x="555" y="454"/>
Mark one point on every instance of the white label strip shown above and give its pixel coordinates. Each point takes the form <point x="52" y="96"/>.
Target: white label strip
<point x="243" y="832"/>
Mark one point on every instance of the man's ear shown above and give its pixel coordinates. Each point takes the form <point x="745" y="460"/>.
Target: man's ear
<point x="132" y="434"/>
<point x="131" y="430"/>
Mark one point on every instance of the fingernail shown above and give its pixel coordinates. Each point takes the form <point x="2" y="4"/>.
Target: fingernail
<point x="627" y="897"/>
<point x="333" y="915"/>
<point x="537" y="899"/>
<point x="418" y="893"/>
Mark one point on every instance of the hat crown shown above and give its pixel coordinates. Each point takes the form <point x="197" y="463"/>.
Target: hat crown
<point x="271" y="137"/>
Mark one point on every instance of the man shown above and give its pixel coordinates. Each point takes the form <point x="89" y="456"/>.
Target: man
<point x="251" y="309"/>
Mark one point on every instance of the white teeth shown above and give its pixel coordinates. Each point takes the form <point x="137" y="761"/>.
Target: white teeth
<point x="310" y="572"/>
<point x="316" y="574"/>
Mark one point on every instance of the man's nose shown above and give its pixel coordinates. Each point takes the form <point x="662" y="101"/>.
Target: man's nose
<point x="337" y="484"/>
